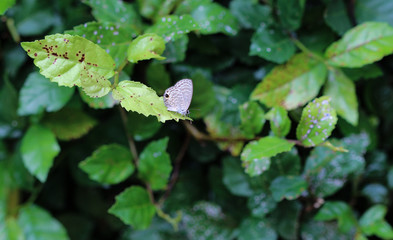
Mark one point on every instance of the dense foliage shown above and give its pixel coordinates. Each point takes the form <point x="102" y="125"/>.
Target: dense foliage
<point x="288" y="137"/>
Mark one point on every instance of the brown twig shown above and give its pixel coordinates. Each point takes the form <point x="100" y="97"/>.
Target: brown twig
<point x="176" y="169"/>
<point x="131" y="142"/>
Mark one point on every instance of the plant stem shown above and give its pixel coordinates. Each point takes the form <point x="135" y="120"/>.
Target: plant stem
<point x="176" y="170"/>
<point x="131" y="142"/>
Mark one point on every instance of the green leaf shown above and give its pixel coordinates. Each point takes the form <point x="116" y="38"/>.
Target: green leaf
<point x="4" y="5"/>
<point x="376" y="193"/>
<point x="285" y="219"/>
<point x="68" y="60"/>
<point x="336" y="17"/>
<point x="317" y="122"/>
<point x="288" y="187"/>
<point x="272" y="45"/>
<point x="155" y="164"/>
<point x="10" y="228"/>
<point x="280" y="123"/>
<point x="69" y="124"/>
<point x="8" y="102"/>
<point x="141" y="127"/>
<point x="204" y="99"/>
<point x="323" y="230"/>
<point x="261" y="204"/>
<point x="342" y="93"/>
<point x="390" y="178"/>
<point x="203" y="216"/>
<point x="372" y="222"/>
<point x="36" y="21"/>
<point x="341" y="211"/>
<point x="146" y="46"/>
<point x="290" y="13"/>
<point x="39" y="148"/>
<point x="211" y="17"/>
<point x="157" y="77"/>
<point x="37" y="223"/>
<point x="109" y="164"/>
<point x="39" y="94"/>
<point x="364" y="44"/>
<point x="374" y="10"/>
<point x="256" y="228"/>
<point x="256" y="154"/>
<point x="284" y="85"/>
<point x="106" y="101"/>
<point x="327" y="171"/>
<point x="238" y="95"/>
<point x="149" y="8"/>
<point x="366" y="72"/>
<point x="217" y="128"/>
<point x="175" y="51"/>
<point x="251" y="14"/>
<point x="252" y="118"/>
<point x="234" y="177"/>
<point x="137" y="97"/>
<point x="133" y="207"/>
<point x="112" y="37"/>
<point x="171" y="28"/>
<point x="118" y="12"/>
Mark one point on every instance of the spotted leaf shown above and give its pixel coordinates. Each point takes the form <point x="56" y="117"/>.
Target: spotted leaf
<point x="67" y="59"/>
<point x="317" y="122"/>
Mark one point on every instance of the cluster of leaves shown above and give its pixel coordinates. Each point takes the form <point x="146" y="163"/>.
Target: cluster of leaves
<point x="70" y="162"/>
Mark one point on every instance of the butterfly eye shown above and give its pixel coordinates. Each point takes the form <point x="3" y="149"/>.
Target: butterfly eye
<point x="166" y="95"/>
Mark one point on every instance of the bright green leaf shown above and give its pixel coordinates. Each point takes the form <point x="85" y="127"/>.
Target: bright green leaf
<point x="109" y="164"/>
<point x="363" y="44"/>
<point x="133" y="207"/>
<point x="317" y="122"/>
<point x="342" y="93"/>
<point x="10" y="230"/>
<point x="288" y="187"/>
<point x="37" y="223"/>
<point x="155" y="164"/>
<point x="39" y="148"/>
<point x="146" y="46"/>
<point x="272" y="45"/>
<point x="137" y="97"/>
<point x="256" y="154"/>
<point x="39" y="94"/>
<point x="293" y="84"/>
<point x="280" y="123"/>
<point x="68" y="59"/>
<point x="69" y="124"/>
<point x="4" y="5"/>
<point x="171" y="28"/>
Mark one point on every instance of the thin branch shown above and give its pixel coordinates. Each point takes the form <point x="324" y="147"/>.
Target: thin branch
<point x="176" y="170"/>
<point x="131" y="142"/>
